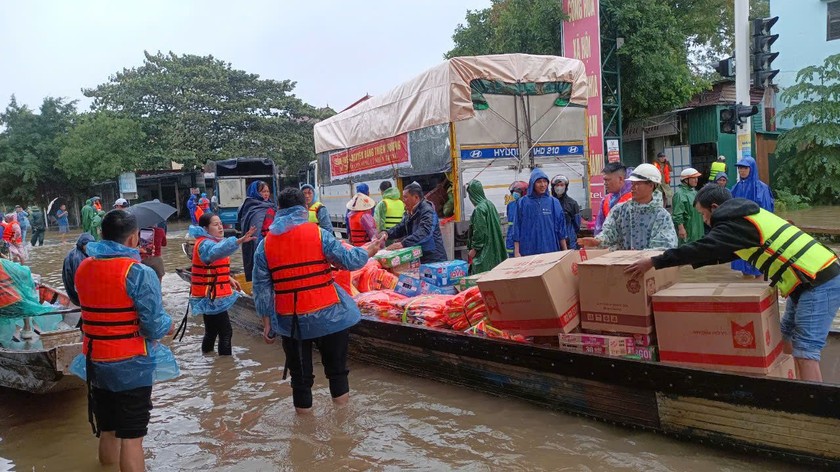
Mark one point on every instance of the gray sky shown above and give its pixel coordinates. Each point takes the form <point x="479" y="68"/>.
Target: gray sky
<point x="336" y="51"/>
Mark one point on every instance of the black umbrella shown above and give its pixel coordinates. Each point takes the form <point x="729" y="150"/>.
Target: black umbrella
<point x="150" y="214"/>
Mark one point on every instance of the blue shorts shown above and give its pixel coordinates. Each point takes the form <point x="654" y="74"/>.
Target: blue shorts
<point x="63" y="228"/>
<point x="807" y="321"/>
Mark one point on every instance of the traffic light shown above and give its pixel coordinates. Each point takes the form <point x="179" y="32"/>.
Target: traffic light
<point x="733" y="116"/>
<point x="726" y="67"/>
<point x="762" y="56"/>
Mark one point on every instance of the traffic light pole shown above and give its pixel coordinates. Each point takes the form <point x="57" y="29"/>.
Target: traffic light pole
<point x="742" y="73"/>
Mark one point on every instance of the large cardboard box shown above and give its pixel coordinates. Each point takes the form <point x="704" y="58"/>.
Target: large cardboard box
<point x="535" y="295"/>
<point x="612" y="301"/>
<point x="722" y="326"/>
<point x="444" y="274"/>
<point x="784" y="368"/>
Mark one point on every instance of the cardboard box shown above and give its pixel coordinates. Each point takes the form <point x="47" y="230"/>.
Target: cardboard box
<point x="727" y="326"/>
<point x="614" y="345"/>
<point x="642" y="340"/>
<point x="412" y="267"/>
<point x="427" y="287"/>
<point x="467" y="282"/>
<point x="389" y="259"/>
<point x="612" y="301"/>
<point x="408" y="284"/>
<point x="784" y="368"/>
<point x="444" y="274"/>
<point x="535" y="295"/>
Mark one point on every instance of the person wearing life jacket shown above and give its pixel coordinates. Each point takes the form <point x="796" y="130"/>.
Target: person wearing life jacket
<point x="805" y="272"/>
<point x="204" y="203"/>
<point x="122" y="321"/>
<point x="661" y="163"/>
<point x="617" y="189"/>
<point x="97" y="203"/>
<point x="295" y="293"/>
<point x="361" y="228"/>
<point x="12" y="236"/>
<point x="318" y="213"/>
<point x="390" y="210"/>
<point x="717" y="167"/>
<point x="212" y="290"/>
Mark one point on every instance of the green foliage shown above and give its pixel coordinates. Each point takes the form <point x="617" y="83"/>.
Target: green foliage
<point x="787" y="201"/>
<point x="197" y="108"/>
<point x="101" y="146"/>
<point x="29" y="148"/>
<point x="813" y="104"/>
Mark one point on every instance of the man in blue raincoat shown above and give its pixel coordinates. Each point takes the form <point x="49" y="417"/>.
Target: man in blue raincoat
<point x="540" y="224"/>
<point x="751" y="188"/>
<point x="296" y="296"/>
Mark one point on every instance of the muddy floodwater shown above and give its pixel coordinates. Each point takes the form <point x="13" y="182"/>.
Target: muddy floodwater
<point x="236" y="414"/>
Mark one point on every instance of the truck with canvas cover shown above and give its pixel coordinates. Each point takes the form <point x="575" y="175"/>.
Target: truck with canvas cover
<point x="493" y="118"/>
<point x="232" y="179"/>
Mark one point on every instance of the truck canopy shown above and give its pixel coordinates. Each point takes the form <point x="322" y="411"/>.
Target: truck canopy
<point x="443" y="94"/>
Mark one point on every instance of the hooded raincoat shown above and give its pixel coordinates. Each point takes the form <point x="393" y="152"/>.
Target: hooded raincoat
<point x="88" y="212"/>
<point x="258" y="213"/>
<point x="753" y="189"/>
<point x="721" y="175"/>
<point x="637" y="226"/>
<point x="684" y="213"/>
<point x="511" y="217"/>
<point x="485" y="231"/>
<point x="159" y="364"/>
<point x="323" y="214"/>
<point x="392" y="193"/>
<point x="332" y="319"/>
<point x="96" y="225"/>
<point x="211" y="250"/>
<point x="540" y="223"/>
<point x="421" y="228"/>
<point x="192" y="204"/>
<point x="71" y="263"/>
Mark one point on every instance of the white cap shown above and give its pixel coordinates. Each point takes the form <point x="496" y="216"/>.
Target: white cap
<point x="689" y="173"/>
<point x="121" y="202"/>
<point x="646" y="173"/>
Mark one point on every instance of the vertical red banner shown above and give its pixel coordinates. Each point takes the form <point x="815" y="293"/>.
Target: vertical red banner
<point x="582" y="40"/>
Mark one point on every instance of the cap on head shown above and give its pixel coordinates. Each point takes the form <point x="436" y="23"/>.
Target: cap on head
<point x="660" y="154"/>
<point x="121" y="202"/>
<point x="722" y="158"/>
<point x="689" y="173"/>
<point x="646" y="173"/>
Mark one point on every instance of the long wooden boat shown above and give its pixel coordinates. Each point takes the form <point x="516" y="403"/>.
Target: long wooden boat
<point x="790" y="420"/>
<point x="44" y="366"/>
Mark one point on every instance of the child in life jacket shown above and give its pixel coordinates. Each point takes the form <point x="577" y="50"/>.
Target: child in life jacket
<point x="212" y="290"/>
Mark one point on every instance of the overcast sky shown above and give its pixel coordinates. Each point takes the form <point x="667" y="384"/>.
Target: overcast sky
<point x="336" y="51"/>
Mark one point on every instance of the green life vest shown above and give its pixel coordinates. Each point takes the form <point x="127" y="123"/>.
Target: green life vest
<point x="787" y="255"/>
<point x="313" y="212"/>
<point x="717" y="167"/>
<point x="394" y="211"/>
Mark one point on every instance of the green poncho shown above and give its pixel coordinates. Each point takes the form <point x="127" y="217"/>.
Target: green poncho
<point x="96" y="225"/>
<point x="485" y="231"/>
<point x="88" y="212"/>
<point x="684" y="213"/>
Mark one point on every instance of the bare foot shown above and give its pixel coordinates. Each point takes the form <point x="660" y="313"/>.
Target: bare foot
<point x="303" y="411"/>
<point x="342" y="400"/>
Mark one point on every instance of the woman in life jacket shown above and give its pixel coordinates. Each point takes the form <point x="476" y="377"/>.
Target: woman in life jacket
<point x="14" y="238"/>
<point x="212" y="288"/>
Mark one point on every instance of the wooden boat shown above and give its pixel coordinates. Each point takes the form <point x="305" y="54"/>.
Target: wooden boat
<point x="45" y="368"/>
<point x="790" y="420"/>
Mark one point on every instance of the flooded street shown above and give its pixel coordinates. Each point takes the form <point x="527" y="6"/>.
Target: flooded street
<point x="236" y="414"/>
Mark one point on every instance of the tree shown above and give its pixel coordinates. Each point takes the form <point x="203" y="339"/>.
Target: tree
<point x="813" y="104"/>
<point x="198" y="108"/>
<point x="102" y="146"/>
<point x="29" y="149"/>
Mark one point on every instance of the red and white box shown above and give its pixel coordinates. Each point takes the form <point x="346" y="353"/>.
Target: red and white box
<point x="730" y="326"/>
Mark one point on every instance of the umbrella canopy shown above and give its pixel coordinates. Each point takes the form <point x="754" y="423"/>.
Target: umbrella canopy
<point x="150" y="214"/>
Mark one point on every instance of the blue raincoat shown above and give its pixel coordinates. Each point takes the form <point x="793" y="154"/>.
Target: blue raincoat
<point x="143" y="287"/>
<point x="753" y="189"/>
<point x="192" y="203"/>
<point x="323" y="214"/>
<point x="332" y="319"/>
<point x="211" y="250"/>
<point x="71" y="263"/>
<point x="511" y="217"/>
<point x="540" y="223"/>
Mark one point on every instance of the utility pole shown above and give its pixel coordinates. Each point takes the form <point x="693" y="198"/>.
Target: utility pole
<point x="742" y="74"/>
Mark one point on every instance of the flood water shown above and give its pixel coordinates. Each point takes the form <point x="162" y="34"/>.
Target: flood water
<point x="236" y="414"/>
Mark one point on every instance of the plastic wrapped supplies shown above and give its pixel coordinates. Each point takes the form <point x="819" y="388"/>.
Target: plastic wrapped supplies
<point x="373" y="277"/>
<point x="426" y="310"/>
<point x="380" y="303"/>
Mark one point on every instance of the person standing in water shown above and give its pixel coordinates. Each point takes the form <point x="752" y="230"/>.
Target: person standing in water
<point x="211" y="287"/>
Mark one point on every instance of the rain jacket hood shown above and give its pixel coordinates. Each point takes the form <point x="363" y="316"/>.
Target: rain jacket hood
<point x="363" y="188"/>
<point x="721" y="175"/>
<point x="254" y="190"/>
<point x="392" y="193"/>
<point x="84" y="238"/>
<point x="314" y="192"/>
<point x="485" y="231"/>
<point x="288" y="218"/>
<point x="107" y="248"/>
<point x="540" y="222"/>
<point x="536" y="175"/>
<point x="71" y="263"/>
<point x="198" y="232"/>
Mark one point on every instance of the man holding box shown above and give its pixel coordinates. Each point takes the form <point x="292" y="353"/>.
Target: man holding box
<point x="804" y="271"/>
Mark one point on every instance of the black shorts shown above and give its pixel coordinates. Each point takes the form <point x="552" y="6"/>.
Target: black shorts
<point x="126" y="413"/>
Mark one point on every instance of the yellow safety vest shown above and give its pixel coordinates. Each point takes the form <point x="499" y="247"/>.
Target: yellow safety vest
<point x="786" y="253"/>
<point x="717" y="167"/>
<point x="394" y="211"/>
<point x="313" y="212"/>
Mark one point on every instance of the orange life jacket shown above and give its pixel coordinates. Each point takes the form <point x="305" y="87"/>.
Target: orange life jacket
<point x="302" y="276"/>
<point x="358" y="235"/>
<point x="8" y="231"/>
<point x="8" y="294"/>
<point x="198" y="213"/>
<point x="605" y="203"/>
<point x="665" y="170"/>
<point x="209" y="280"/>
<point x="110" y="324"/>
<point x="98" y="205"/>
